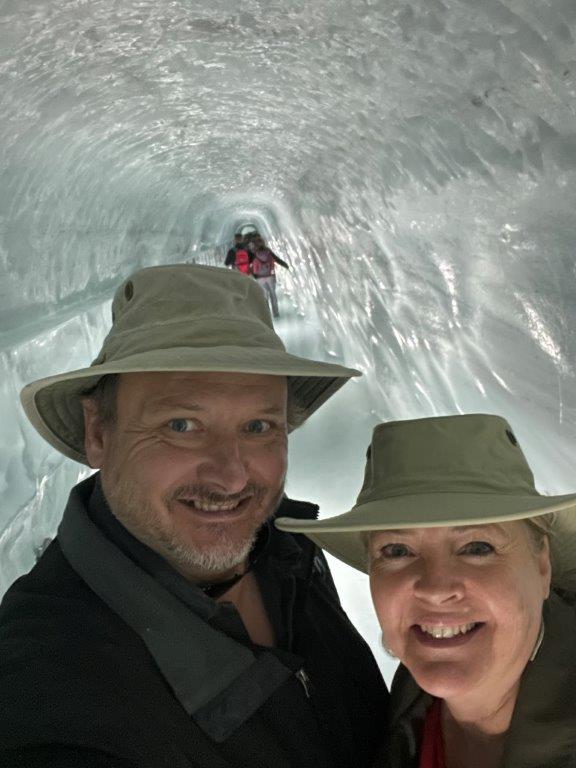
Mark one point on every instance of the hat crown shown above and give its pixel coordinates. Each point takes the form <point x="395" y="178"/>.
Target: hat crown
<point x="183" y="305"/>
<point x="186" y="318"/>
<point x="451" y="454"/>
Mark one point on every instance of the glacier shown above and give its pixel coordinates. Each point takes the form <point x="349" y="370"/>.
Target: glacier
<point x="415" y="162"/>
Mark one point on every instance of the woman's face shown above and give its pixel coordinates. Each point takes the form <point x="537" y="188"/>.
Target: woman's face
<point x="460" y="607"/>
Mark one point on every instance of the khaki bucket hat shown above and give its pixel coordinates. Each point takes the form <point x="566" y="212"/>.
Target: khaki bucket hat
<point x="180" y="317"/>
<point x="444" y="471"/>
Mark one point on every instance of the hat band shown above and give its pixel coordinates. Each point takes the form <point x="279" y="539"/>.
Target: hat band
<point x="208" y="332"/>
<point x="415" y="486"/>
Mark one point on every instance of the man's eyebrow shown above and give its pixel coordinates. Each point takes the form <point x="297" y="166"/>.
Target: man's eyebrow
<point x="188" y="405"/>
<point x="170" y="405"/>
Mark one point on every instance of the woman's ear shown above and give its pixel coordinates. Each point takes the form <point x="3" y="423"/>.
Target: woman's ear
<point x="545" y="567"/>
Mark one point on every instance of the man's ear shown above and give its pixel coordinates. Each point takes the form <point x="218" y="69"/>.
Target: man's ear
<point x="93" y="434"/>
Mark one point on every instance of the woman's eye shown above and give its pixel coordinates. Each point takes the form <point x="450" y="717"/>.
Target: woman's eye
<point x="395" y="551"/>
<point x="258" y="426"/>
<point x="182" y="425"/>
<point x="477" y="549"/>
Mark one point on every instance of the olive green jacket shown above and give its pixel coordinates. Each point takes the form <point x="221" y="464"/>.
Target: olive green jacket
<point x="543" y="729"/>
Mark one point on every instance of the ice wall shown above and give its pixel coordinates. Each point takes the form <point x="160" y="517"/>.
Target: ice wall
<point x="414" y="161"/>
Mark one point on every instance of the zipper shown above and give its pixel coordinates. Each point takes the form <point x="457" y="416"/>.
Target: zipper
<point x="303" y="678"/>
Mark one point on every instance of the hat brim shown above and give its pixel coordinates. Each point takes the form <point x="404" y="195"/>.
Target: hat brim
<point x="342" y="535"/>
<point x="54" y="407"/>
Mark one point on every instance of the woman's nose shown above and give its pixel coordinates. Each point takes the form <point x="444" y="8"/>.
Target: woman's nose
<point x="224" y="466"/>
<point x="439" y="582"/>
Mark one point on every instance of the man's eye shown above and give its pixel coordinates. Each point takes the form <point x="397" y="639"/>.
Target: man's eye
<point x="182" y="425"/>
<point x="477" y="549"/>
<point x="395" y="551"/>
<point x="258" y="426"/>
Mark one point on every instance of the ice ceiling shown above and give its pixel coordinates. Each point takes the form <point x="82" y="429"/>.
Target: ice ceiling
<point x="415" y="162"/>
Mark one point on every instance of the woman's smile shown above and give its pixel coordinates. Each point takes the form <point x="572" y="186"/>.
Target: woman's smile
<point x="446" y="636"/>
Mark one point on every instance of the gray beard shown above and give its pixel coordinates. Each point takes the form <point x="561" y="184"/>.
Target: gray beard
<point x="224" y="557"/>
<point x="193" y="562"/>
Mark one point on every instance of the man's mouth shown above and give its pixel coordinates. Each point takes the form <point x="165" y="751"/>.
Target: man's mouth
<point x="217" y="508"/>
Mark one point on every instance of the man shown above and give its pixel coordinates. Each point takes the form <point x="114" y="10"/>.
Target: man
<point x="169" y="625"/>
<point x="238" y="256"/>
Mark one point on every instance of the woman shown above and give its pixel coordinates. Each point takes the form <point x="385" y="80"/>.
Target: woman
<point x="473" y="577"/>
<point x="263" y="265"/>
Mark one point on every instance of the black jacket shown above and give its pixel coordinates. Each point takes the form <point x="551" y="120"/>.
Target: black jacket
<point x="104" y="664"/>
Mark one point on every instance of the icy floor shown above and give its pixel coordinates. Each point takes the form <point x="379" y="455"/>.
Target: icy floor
<point x="414" y="161"/>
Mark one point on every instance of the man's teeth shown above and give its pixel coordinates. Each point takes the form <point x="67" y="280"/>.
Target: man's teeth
<point x="440" y="632"/>
<point x="205" y="507"/>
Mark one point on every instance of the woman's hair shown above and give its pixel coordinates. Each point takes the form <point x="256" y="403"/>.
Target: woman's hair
<point x="540" y="528"/>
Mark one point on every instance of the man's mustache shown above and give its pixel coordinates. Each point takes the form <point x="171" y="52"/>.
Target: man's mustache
<point x="204" y="493"/>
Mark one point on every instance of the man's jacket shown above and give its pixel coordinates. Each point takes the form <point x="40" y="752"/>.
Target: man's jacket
<point x="110" y="659"/>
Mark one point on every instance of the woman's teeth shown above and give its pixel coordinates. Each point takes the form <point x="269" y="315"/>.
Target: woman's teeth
<point x="441" y="632"/>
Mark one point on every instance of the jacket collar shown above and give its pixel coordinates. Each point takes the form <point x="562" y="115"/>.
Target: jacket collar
<point x="293" y="552"/>
<point x="204" y="667"/>
<point x="543" y="728"/>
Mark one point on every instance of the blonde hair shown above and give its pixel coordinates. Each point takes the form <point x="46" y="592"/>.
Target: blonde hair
<point x="540" y="528"/>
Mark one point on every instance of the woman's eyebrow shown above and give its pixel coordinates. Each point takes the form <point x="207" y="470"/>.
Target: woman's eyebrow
<point x="495" y="529"/>
<point x="394" y="531"/>
<point x="483" y="527"/>
<point x="454" y="529"/>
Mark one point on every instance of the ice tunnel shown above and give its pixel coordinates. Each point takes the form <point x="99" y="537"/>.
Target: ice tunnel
<point x="414" y="162"/>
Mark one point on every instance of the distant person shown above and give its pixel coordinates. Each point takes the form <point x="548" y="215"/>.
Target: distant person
<point x="230" y="256"/>
<point x="473" y="577"/>
<point x="238" y="256"/>
<point x="250" y="240"/>
<point x="263" y="269"/>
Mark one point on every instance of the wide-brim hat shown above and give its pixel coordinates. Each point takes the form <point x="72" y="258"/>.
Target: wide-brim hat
<point x="180" y="317"/>
<point x="444" y="471"/>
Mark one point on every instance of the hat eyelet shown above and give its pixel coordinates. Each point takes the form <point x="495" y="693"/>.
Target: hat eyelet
<point x="129" y="290"/>
<point x="510" y="435"/>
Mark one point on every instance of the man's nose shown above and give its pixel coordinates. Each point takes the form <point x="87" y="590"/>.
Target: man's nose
<point x="223" y="465"/>
<point x="439" y="582"/>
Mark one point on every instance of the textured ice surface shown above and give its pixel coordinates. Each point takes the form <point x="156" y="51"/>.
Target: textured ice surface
<point x="414" y="161"/>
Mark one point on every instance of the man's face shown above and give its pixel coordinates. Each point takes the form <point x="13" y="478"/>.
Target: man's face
<point x="194" y="464"/>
